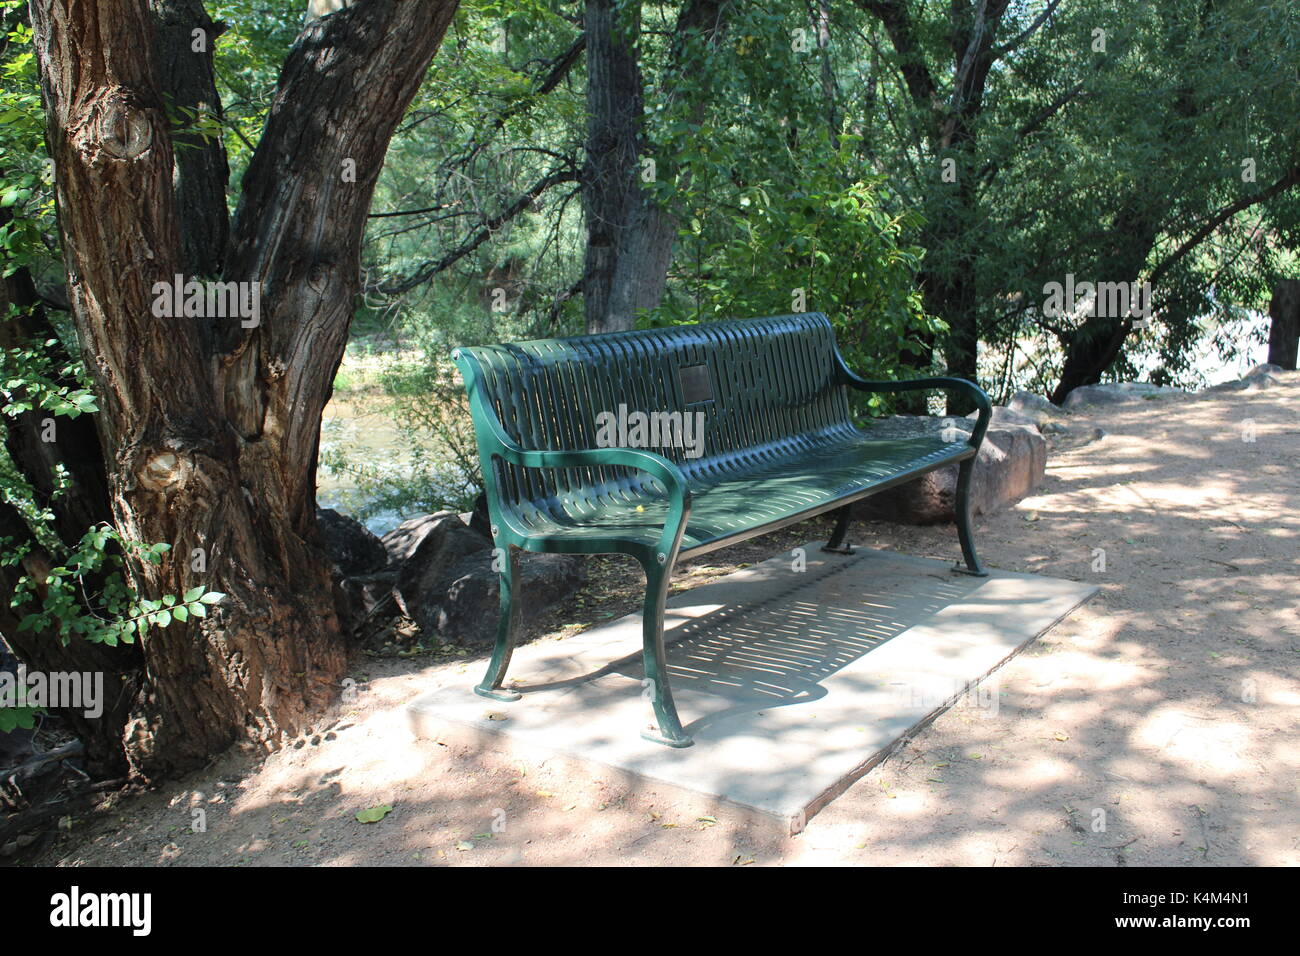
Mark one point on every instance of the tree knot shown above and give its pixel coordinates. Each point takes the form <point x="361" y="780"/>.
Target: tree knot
<point x="124" y="131"/>
<point x="164" y="470"/>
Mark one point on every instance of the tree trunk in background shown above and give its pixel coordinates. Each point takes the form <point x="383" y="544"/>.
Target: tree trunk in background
<point x="1284" y="332"/>
<point x="830" y="88"/>
<point x="75" y="445"/>
<point x="621" y="232"/>
<point x="629" y="237"/>
<point x="950" y="292"/>
<point x="949" y="127"/>
<point x="121" y="666"/>
<point x="211" y="430"/>
<point x="1094" y="345"/>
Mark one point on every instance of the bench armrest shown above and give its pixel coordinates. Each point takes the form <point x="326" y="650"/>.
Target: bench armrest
<point x="493" y="440"/>
<point x="657" y="466"/>
<point x="977" y="394"/>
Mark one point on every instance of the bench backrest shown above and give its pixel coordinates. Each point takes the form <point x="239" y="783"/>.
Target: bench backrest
<point x="764" y="386"/>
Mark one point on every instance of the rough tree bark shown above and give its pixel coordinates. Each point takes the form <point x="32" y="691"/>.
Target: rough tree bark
<point x="185" y="39"/>
<point x="210" y="429"/>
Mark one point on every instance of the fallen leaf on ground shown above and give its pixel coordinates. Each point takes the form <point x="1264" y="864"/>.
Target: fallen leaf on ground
<point x="374" y="814"/>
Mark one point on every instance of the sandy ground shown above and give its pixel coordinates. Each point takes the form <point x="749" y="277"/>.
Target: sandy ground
<point x="1156" y="725"/>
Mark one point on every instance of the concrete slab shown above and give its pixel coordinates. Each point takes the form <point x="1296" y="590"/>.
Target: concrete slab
<point x="794" y="683"/>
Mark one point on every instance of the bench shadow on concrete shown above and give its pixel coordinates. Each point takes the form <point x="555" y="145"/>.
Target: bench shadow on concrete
<point x="775" y="646"/>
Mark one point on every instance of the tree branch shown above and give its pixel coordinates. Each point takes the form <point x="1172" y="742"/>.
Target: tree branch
<point x="430" y="269"/>
<point x="345" y="86"/>
<point x="1283" y="183"/>
<point x="894" y="16"/>
<point x="1024" y="34"/>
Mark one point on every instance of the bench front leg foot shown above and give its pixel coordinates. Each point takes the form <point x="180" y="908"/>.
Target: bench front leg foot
<point x="837" y="544"/>
<point x="670" y="732"/>
<point x="964" y="531"/>
<point x="507" y="627"/>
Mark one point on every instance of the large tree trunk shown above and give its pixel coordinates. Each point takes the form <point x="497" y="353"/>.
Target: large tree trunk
<point x="1284" y="332"/>
<point x="622" y="231"/>
<point x="210" y="428"/>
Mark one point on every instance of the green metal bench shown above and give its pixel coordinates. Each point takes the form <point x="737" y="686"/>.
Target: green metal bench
<point x="778" y="446"/>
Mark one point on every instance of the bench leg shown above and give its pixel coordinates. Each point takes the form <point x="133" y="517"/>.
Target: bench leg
<point x="836" y="545"/>
<point x="964" y="533"/>
<point x="507" y="627"/>
<point x="656" y="661"/>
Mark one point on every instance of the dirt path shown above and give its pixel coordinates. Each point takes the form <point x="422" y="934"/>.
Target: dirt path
<point x="1165" y="710"/>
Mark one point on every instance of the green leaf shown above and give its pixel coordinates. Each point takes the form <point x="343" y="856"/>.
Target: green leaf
<point x="374" y="814"/>
<point x="14" y="717"/>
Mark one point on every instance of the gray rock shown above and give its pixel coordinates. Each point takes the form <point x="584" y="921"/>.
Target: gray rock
<point x="423" y="550"/>
<point x="1259" y="377"/>
<point x="1082" y="433"/>
<point x="1003" y="415"/>
<point x="1117" y="393"/>
<point x="468" y="612"/>
<point x="1011" y="463"/>
<point x="349" y="543"/>
<point x="1035" y="406"/>
<point x="365" y="592"/>
<point x="401" y="542"/>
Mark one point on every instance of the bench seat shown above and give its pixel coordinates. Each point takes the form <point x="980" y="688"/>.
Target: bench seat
<point x="819" y="476"/>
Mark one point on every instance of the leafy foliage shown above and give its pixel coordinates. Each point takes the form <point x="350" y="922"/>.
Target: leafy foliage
<point x="63" y="607"/>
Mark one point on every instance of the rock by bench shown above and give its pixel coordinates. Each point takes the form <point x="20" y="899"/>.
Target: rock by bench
<point x="1011" y="463"/>
<point x="1117" y="393"/>
<point x="1259" y="377"/>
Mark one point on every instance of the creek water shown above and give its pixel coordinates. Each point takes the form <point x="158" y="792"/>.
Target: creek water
<point x="367" y="437"/>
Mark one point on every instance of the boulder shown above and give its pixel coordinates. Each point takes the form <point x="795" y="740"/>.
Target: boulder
<point x="1011" y="463"/>
<point x="1080" y="433"/>
<point x="1259" y="377"/>
<point x="468" y="611"/>
<point x="422" y="550"/>
<point x="366" y="591"/>
<point x="351" y="546"/>
<point x="1034" y="406"/>
<point x="1002" y="415"/>
<point x="1116" y="393"/>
